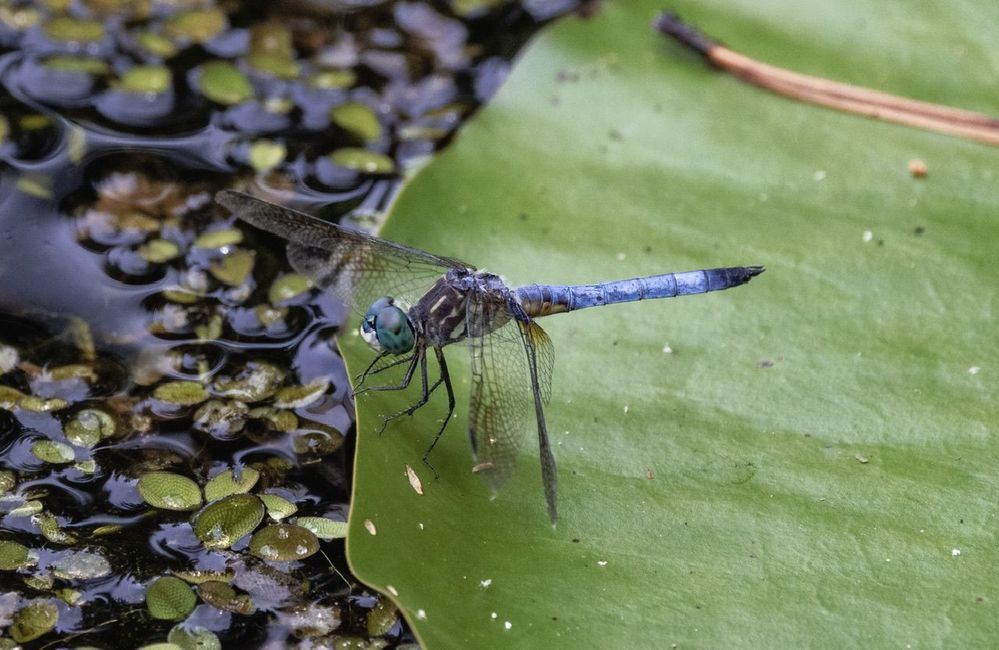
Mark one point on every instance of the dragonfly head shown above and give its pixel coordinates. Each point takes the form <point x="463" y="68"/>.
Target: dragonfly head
<point x="386" y="327"/>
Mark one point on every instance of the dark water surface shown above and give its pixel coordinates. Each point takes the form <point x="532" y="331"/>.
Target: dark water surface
<point x="144" y="334"/>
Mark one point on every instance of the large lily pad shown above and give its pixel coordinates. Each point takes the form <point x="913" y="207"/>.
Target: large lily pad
<point x="810" y="457"/>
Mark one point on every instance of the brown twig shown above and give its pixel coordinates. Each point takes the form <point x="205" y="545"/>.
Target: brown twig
<point x="833" y="94"/>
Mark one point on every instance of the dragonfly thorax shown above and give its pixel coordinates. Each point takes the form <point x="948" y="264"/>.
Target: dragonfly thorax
<point x="387" y="328"/>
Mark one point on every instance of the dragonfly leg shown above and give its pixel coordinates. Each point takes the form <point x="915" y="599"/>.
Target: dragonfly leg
<point x="359" y="379"/>
<point x="446" y="379"/>
<point x="371" y="370"/>
<point x="424" y="396"/>
<point x="408" y="377"/>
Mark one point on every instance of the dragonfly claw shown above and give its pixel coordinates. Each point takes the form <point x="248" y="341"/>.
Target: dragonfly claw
<point x="426" y="461"/>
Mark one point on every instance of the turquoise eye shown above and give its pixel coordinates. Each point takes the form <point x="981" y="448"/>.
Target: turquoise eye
<point x="387" y="328"/>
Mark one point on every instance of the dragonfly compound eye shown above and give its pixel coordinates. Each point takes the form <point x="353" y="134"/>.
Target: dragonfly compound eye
<point x="368" y="332"/>
<point x="394" y="331"/>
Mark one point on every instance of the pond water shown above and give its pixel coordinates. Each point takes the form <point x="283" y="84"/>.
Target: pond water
<point x="175" y="421"/>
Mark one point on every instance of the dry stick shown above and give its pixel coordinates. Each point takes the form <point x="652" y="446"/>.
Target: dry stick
<point x="988" y="136"/>
<point x="744" y="66"/>
<point x="840" y="96"/>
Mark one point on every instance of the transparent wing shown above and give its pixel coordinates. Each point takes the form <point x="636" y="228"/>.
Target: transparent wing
<point x="508" y="385"/>
<point x="353" y="266"/>
<point x="540" y="361"/>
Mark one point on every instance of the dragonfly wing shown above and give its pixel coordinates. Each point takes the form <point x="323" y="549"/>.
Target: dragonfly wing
<point x="508" y="383"/>
<point x="500" y="395"/>
<point x="352" y="265"/>
<point x="540" y="359"/>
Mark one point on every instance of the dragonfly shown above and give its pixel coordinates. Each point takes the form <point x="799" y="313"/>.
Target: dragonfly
<point x="412" y="303"/>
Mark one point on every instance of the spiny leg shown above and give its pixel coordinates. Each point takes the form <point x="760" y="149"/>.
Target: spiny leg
<point x="371" y="370"/>
<point x="359" y="379"/>
<point x="446" y="379"/>
<point x="424" y="396"/>
<point x="417" y="355"/>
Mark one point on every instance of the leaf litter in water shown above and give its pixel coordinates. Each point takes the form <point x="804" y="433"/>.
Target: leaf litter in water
<point x="88" y="427"/>
<point x="291" y="397"/>
<point x="181" y="393"/>
<point x="257" y="381"/>
<point x="14" y="556"/>
<point x="33" y="620"/>
<point x="195" y="638"/>
<point x="222" y="596"/>
<point x="221" y="419"/>
<point x="51" y="451"/>
<point x="81" y="565"/>
<point x="382" y="617"/>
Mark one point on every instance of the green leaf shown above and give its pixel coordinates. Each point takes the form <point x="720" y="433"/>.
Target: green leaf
<point x="182" y="393"/>
<point x="34" y="619"/>
<point x="358" y="119"/>
<point x="362" y="160"/>
<point x="146" y="79"/>
<point x="170" y="599"/>
<point x="224" y="83"/>
<point x="222" y="523"/>
<point x="14" y="556"/>
<point x="169" y="491"/>
<point x="283" y="543"/>
<point x="225" y="483"/>
<point x="710" y="491"/>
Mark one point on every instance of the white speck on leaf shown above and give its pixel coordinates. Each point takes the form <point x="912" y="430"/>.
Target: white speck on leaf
<point x="601" y="562"/>
<point x="507" y="624"/>
<point x="868" y="236"/>
<point x="974" y="370"/>
<point x="820" y="174"/>
<point x="370" y="526"/>
<point x="414" y="480"/>
<point x="493" y="616"/>
<point x="421" y="614"/>
<point x="666" y="348"/>
<point x="485" y="583"/>
<point x="955" y="552"/>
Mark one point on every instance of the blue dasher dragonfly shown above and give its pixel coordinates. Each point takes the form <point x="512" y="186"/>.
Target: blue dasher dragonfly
<point x="412" y="302"/>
